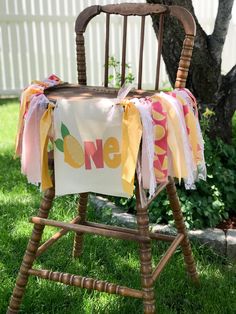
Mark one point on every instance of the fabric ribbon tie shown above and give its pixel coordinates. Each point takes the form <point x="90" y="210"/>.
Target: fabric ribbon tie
<point x="131" y="137"/>
<point x="45" y="125"/>
<point x="25" y="99"/>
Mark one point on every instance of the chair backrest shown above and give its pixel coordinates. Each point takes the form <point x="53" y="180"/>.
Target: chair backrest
<point x="142" y="10"/>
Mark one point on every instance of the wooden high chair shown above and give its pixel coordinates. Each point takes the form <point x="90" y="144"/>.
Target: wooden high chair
<point x="79" y="224"/>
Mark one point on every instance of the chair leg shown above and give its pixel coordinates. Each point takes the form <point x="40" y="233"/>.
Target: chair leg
<point x="180" y="225"/>
<point x="78" y="240"/>
<point x="145" y="259"/>
<point x="30" y="253"/>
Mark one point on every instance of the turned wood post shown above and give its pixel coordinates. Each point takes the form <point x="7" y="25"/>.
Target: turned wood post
<point x="145" y="257"/>
<point x="81" y="60"/>
<point x="30" y="253"/>
<point x="184" y="62"/>
<point x="82" y="210"/>
<point x="180" y="225"/>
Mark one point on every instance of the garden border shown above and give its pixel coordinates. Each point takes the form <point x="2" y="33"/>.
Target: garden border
<point x="223" y="243"/>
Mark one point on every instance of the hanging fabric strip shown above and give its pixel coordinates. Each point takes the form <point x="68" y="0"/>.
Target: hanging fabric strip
<point x="30" y="156"/>
<point x="144" y="105"/>
<point x="45" y="125"/>
<point x="159" y="116"/>
<point x="25" y="101"/>
<point x="36" y="87"/>
<point x="131" y="137"/>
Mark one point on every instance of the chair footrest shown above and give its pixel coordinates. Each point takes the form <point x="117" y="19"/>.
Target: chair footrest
<point x="87" y="283"/>
<point x="91" y="229"/>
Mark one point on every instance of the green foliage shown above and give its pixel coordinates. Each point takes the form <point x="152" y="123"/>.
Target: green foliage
<point x="214" y="199"/>
<point x="114" y="78"/>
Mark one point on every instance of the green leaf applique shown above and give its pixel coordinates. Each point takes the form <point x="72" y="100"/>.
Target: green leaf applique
<point x="59" y="144"/>
<point x="64" y="130"/>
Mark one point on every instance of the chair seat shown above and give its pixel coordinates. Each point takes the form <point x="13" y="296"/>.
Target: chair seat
<point x="76" y="92"/>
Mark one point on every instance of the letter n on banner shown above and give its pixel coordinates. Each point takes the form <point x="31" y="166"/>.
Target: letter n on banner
<point x="94" y="152"/>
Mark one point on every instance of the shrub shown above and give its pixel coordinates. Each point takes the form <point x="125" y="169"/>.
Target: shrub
<point x="213" y="200"/>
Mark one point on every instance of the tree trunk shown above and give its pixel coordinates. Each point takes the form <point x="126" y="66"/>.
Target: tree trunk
<point x="210" y="87"/>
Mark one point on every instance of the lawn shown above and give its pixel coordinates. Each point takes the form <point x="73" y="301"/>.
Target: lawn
<point x="103" y="258"/>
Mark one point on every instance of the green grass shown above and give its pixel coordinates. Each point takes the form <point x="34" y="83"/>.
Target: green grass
<point x="103" y="258"/>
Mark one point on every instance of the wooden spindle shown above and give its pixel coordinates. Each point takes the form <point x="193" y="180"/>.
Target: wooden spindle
<point x="86" y="283"/>
<point x="160" y="43"/>
<point x="140" y="68"/>
<point x="82" y="209"/>
<point x="81" y="61"/>
<point x="30" y="253"/>
<point x="124" y="50"/>
<point x="88" y="229"/>
<point x="107" y="50"/>
<point x="145" y="257"/>
<point x="180" y="226"/>
<point x="184" y="62"/>
<point x="47" y="244"/>
<point x="164" y="260"/>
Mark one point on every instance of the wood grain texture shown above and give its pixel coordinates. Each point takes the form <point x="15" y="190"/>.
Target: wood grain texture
<point x="180" y="225"/>
<point x="86" y="283"/>
<point x="184" y="62"/>
<point x="123" y="59"/>
<point x="30" y="253"/>
<point x="127" y="9"/>
<point x="81" y="60"/>
<point x="85" y="17"/>
<point x="107" y="43"/>
<point x="140" y="9"/>
<point x="82" y="209"/>
<point x="47" y="244"/>
<point x="89" y="229"/>
<point x="185" y="17"/>
<point x="145" y="256"/>
<point x="164" y="260"/>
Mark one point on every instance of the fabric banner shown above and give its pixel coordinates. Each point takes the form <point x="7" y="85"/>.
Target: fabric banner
<point x="87" y="152"/>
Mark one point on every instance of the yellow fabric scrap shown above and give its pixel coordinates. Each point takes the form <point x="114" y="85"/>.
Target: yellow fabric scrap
<point x="45" y="125"/>
<point x="174" y="139"/>
<point x="27" y="93"/>
<point x="131" y="137"/>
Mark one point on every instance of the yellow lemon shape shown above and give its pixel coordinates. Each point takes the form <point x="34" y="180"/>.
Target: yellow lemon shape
<point x="157" y="116"/>
<point x="159" y="150"/>
<point x="73" y="152"/>
<point x="165" y="163"/>
<point x="159" y="175"/>
<point x="159" y="132"/>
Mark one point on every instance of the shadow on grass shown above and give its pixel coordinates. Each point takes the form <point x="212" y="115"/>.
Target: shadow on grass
<point x="117" y="261"/>
<point x="8" y="101"/>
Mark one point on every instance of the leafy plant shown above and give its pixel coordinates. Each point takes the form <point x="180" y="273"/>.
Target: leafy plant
<point x="114" y="78"/>
<point x="212" y="201"/>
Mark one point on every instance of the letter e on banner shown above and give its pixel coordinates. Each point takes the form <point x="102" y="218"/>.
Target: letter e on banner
<point x="111" y="153"/>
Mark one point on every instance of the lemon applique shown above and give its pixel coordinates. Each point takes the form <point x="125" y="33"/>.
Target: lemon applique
<point x="165" y="163"/>
<point x="158" y="116"/>
<point x="159" y="150"/>
<point x="159" y="132"/>
<point x="73" y="151"/>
